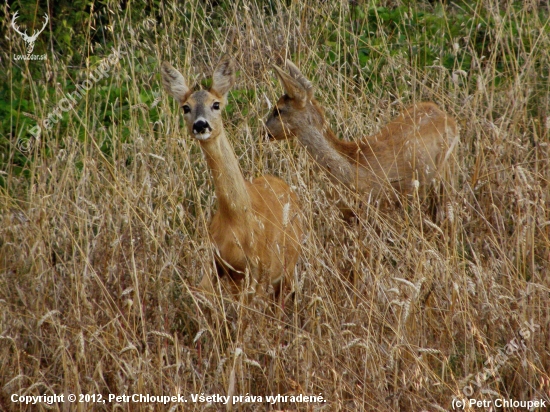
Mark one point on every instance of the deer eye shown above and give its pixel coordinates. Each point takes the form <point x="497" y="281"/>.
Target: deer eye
<point x="216" y="106"/>
<point x="186" y="109"/>
<point x="276" y="112"/>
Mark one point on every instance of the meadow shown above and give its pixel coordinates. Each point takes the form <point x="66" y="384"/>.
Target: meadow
<point x="104" y="215"/>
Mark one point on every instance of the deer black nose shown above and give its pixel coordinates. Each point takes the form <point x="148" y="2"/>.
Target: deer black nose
<point x="267" y="133"/>
<point x="201" y="126"/>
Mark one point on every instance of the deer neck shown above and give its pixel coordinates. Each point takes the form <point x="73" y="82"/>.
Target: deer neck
<point x="332" y="154"/>
<point x="234" y="201"/>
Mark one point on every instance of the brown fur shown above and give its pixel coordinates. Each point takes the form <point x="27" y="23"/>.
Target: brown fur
<point x="412" y="149"/>
<point x="257" y="228"/>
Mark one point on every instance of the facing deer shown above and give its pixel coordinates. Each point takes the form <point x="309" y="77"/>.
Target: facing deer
<point x="257" y="228"/>
<point x="409" y="151"/>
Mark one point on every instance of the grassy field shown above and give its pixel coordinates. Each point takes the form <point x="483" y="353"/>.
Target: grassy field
<point x="103" y="218"/>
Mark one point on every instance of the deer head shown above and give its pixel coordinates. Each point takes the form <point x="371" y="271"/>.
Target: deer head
<point x="294" y="111"/>
<point x="201" y="109"/>
<point x="28" y="39"/>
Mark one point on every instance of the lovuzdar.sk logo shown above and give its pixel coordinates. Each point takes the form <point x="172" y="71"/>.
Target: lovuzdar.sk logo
<point x="30" y="40"/>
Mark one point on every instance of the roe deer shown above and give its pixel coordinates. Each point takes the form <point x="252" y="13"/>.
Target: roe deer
<point x="409" y="151"/>
<point x="257" y="227"/>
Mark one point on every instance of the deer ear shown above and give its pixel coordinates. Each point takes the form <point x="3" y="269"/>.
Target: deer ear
<point x="293" y="88"/>
<point x="297" y="74"/>
<point x="173" y="82"/>
<point x="223" y="78"/>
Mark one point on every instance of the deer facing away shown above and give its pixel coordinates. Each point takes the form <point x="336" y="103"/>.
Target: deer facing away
<point x="257" y="227"/>
<point x="409" y="151"/>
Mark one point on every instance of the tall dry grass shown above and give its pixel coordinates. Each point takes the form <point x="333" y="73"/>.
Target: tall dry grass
<point x="99" y="252"/>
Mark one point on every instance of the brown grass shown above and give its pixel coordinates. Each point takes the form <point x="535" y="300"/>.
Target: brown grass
<point x="398" y="311"/>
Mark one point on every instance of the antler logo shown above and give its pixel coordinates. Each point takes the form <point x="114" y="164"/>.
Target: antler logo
<point x="29" y="39"/>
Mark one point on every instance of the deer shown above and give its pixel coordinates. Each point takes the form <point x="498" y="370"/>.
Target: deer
<point x="29" y="39"/>
<point x="257" y="229"/>
<point x="405" y="155"/>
